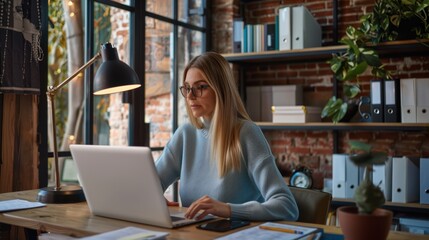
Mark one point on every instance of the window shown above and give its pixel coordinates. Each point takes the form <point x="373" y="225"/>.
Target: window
<point x="157" y="38"/>
<point x="170" y="42"/>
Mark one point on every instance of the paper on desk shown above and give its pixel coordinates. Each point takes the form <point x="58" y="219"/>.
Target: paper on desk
<point x="262" y="234"/>
<point x="54" y="236"/>
<point x="18" y="204"/>
<point x="128" y="233"/>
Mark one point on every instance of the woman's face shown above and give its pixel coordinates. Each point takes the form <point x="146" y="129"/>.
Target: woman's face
<point x="204" y="102"/>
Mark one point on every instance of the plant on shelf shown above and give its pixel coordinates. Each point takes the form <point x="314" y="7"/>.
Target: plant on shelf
<point x="390" y="20"/>
<point x="357" y="221"/>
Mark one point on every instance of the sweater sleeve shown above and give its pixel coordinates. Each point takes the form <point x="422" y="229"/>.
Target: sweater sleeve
<point x="168" y="168"/>
<point x="168" y="164"/>
<point x="279" y="202"/>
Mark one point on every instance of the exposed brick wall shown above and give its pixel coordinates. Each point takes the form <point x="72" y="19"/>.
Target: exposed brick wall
<point x="223" y="12"/>
<point x="291" y="148"/>
<point x="315" y="148"/>
<point x="118" y="120"/>
<point x="158" y="113"/>
<point x="118" y="111"/>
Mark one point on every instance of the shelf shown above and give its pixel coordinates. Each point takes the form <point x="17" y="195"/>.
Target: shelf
<point x="402" y="48"/>
<point x="325" y="126"/>
<point x="388" y="49"/>
<point x="306" y="54"/>
<point x="401" y="207"/>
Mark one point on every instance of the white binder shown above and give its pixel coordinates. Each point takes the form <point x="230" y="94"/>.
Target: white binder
<point x="339" y="175"/>
<point x="285" y="28"/>
<point x="405" y="184"/>
<point x="408" y="100"/>
<point x="422" y="100"/>
<point x="352" y="177"/>
<point x="382" y="177"/>
<point x="306" y="31"/>
<point x="345" y="176"/>
<point x="424" y="180"/>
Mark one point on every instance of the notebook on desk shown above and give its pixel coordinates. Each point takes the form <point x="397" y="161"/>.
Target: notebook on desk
<point x="121" y="182"/>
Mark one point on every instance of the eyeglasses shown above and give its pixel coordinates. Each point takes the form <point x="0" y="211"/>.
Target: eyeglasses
<point x="196" y="91"/>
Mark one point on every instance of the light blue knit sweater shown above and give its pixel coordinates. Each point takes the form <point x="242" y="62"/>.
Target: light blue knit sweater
<point x="257" y="192"/>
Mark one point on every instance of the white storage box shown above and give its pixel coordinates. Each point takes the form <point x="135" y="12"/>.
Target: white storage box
<point x="296" y="114"/>
<point x="259" y="99"/>
<point x="287" y="95"/>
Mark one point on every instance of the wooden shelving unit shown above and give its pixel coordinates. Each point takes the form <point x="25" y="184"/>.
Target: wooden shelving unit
<point x="390" y="49"/>
<point x="320" y="54"/>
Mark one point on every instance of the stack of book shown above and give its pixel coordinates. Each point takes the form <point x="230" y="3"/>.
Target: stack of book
<point x="294" y="28"/>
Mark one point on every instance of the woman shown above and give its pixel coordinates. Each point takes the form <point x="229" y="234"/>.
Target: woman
<point x="222" y="158"/>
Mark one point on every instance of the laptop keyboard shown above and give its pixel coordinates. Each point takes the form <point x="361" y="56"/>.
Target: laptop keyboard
<point x="175" y="219"/>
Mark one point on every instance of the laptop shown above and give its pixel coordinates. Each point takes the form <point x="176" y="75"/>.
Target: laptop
<point x="122" y="182"/>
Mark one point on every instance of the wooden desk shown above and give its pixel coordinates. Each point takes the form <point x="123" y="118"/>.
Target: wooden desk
<point x="76" y="220"/>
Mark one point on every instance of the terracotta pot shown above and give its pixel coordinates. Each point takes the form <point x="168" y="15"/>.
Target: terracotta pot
<point x="356" y="226"/>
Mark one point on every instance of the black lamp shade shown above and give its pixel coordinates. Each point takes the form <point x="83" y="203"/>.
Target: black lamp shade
<point x="113" y="75"/>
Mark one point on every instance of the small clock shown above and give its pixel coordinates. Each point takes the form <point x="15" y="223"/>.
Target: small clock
<point x="301" y="177"/>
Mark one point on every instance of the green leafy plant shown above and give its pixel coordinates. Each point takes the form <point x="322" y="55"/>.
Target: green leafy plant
<point x="397" y="19"/>
<point x="384" y="23"/>
<point x="347" y="66"/>
<point x="367" y="196"/>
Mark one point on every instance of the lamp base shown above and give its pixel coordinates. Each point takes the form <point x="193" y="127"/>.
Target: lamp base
<point x="64" y="194"/>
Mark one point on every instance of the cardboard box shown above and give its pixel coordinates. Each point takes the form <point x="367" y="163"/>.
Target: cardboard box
<point x="296" y="114"/>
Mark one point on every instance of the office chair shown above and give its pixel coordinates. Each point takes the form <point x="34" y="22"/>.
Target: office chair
<point x="313" y="204"/>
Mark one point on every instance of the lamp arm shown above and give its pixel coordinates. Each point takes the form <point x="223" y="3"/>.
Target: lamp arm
<point x="53" y="89"/>
<point x="51" y="95"/>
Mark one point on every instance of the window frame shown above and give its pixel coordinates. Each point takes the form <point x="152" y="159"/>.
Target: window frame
<point x="138" y="129"/>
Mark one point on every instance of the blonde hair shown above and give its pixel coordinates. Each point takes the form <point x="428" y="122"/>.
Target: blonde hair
<point x="228" y="114"/>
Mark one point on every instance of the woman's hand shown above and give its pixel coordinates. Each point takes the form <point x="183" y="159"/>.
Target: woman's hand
<point x="206" y="205"/>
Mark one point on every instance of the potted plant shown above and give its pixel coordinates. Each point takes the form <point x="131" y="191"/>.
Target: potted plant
<point x="366" y="220"/>
<point x="390" y="20"/>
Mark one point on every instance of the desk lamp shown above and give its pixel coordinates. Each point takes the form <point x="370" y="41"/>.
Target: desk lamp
<point x="112" y="76"/>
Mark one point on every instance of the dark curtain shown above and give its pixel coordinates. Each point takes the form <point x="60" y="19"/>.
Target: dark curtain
<point x="20" y="50"/>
